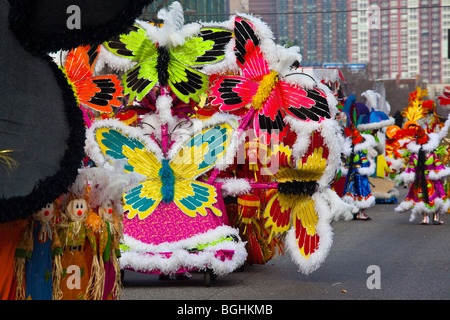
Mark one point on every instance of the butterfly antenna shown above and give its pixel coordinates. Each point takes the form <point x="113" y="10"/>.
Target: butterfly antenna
<point x="140" y="125"/>
<point x="181" y="123"/>
<point x="301" y="73"/>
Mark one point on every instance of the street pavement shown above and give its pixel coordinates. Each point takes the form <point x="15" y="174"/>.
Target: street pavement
<point x="386" y="258"/>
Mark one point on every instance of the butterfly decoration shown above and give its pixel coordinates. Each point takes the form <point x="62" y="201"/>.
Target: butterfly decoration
<point x="169" y="59"/>
<point x="296" y="209"/>
<point x="166" y="180"/>
<point x="271" y="97"/>
<point x="99" y="93"/>
<point x="444" y="99"/>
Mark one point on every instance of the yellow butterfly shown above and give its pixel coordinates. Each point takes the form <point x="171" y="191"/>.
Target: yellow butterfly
<point x="166" y="180"/>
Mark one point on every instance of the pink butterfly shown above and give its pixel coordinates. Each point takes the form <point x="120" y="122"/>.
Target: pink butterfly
<point x="271" y="98"/>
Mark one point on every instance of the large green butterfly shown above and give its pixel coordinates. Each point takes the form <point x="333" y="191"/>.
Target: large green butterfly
<point x="166" y="180"/>
<point x="169" y="65"/>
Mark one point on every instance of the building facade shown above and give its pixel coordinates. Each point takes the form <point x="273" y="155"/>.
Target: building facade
<point x="393" y="38"/>
<point x="401" y="38"/>
<point x="194" y="10"/>
<point x="318" y="27"/>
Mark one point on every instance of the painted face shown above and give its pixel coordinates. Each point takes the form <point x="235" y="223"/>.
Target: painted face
<point x="46" y="213"/>
<point x="106" y="211"/>
<point x="78" y="209"/>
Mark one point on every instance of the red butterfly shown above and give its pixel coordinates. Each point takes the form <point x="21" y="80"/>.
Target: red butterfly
<point x="97" y="92"/>
<point x="271" y="98"/>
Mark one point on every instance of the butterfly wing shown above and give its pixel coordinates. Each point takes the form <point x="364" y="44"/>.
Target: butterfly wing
<point x="135" y="45"/>
<point x="99" y="92"/>
<point x="278" y="214"/>
<point x="202" y="152"/>
<point x="207" y="47"/>
<point x="268" y="123"/>
<point x="279" y="164"/>
<point x="232" y="92"/>
<point x="305" y="220"/>
<point x="77" y="64"/>
<point x="186" y="82"/>
<point x="194" y="197"/>
<point x="141" y="79"/>
<point x="312" y="165"/>
<point x="304" y="104"/>
<point x="248" y="53"/>
<point x="143" y="198"/>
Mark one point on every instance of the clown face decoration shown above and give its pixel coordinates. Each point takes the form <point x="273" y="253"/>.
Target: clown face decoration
<point x="106" y="211"/>
<point x="46" y="214"/>
<point x="77" y="210"/>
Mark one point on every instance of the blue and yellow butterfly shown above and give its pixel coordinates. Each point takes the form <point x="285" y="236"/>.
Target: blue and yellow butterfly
<point x="166" y="180"/>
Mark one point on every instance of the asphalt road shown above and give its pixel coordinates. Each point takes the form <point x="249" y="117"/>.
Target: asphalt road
<point x="412" y="262"/>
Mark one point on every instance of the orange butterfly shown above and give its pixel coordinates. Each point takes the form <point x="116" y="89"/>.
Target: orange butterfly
<point x="97" y="92"/>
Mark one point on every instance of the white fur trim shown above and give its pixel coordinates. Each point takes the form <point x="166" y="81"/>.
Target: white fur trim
<point x="164" y="109"/>
<point x="376" y="125"/>
<point x="114" y="61"/>
<point x="93" y="150"/>
<point x="137" y="257"/>
<point x="338" y="208"/>
<point x="234" y="186"/>
<point x="361" y="204"/>
<point x="369" y="142"/>
<point x="432" y="175"/>
<point x="404" y="206"/>
<point x="407" y="177"/>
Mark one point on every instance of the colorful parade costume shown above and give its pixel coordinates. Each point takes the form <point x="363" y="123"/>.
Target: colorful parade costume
<point x="424" y="172"/>
<point x="359" y="163"/>
<point x="359" y="167"/>
<point x="375" y="123"/>
<point x="162" y="151"/>
<point x="173" y="223"/>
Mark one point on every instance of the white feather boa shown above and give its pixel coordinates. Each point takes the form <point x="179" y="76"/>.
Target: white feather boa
<point x="149" y="258"/>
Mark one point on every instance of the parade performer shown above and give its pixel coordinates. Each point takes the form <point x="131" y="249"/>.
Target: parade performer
<point x="375" y="123"/>
<point x="359" y="164"/>
<point x="424" y="172"/>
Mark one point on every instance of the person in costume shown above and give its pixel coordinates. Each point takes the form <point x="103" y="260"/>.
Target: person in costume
<point x="424" y="172"/>
<point x="38" y="245"/>
<point x="357" y="169"/>
<point x="374" y="123"/>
